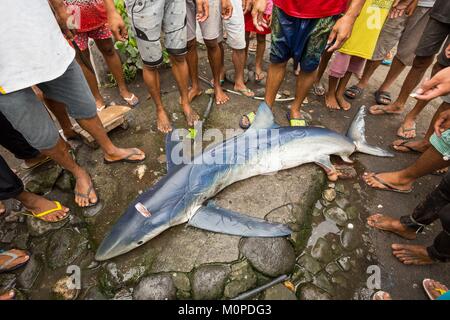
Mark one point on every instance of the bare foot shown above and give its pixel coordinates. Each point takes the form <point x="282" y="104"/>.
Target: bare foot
<point x="100" y="104"/>
<point x="386" y="223"/>
<point x="132" y="154"/>
<point x="344" y="104"/>
<point x="408" y="129"/>
<point x="221" y="96"/>
<point x="37" y="204"/>
<point x="22" y="257"/>
<point x="2" y="208"/>
<point x="331" y="102"/>
<point x="163" y="121"/>
<point x="411" y="146"/>
<point x="85" y="194"/>
<point x="392" y="108"/>
<point x="391" y="181"/>
<point x="411" y="255"/>
<point x="194" y="92"/>
<point x="190" y="114"/>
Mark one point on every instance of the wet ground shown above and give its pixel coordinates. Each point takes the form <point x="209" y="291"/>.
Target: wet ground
<point x="326" y="258"/>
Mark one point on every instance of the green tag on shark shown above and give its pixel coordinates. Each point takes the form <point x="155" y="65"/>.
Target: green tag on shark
<point x="192" y="133"/>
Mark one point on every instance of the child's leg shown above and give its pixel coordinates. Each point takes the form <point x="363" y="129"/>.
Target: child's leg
<point x="247" y="43"/>
<point x="260" y="48"/>
<point x="338" y="69"/>
<point x="355" y="66"/>
<point x="112" y="59"/>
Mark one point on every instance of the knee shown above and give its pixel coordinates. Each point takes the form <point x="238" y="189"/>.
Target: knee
<point x="177" y="59"/>
<point x="261" y="38"/>
<point x="191" y="44"/>
<point x="108" y="50"/>
<point x="211" y="44"/>
<point x="422" y="62"/>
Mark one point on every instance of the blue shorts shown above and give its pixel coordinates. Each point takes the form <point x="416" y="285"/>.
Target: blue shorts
<point x="304" y="40"/>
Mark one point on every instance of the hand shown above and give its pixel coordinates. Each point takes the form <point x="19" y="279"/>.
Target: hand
<point x="202" y="10"/>
<point x="411" y="8"/>
<point x="117" y="26"/>
<point x="247" y="6"/>
<point x="65" y="18"/>
<point x="259" y="6"/>
<point x="437" y="86"/>
<point x="442" y="123"/>
<point x="227" y="9"/>
<point x="341" y="31"/>
<point x="399" y="7"/>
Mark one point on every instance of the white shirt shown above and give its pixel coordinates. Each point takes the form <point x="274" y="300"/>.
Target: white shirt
<point x="32" y="46"/>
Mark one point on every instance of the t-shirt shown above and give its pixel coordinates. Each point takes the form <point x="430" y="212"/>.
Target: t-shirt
<point x="33" y="48"/>
<point x="310" y="9"/>
<point x="441" y="11"/>
<point x="88" y="14"/>
<point x="426" y="3"/>
<point x="367" y="28"/>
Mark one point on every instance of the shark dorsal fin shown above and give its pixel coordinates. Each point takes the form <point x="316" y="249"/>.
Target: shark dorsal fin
<point x="264" y="118"/>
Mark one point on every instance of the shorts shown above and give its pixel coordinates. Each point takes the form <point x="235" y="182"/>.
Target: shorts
<point x="211" y="28"/>
<point x="304" y="40"/>
<point x="148" y="18"/>
<point x="250" y="27"/>
<point x="344" y="62"/>
<point x="402" y="31"/>
<point x="442" y="143"/>
<point x="30" y="117"/>
<point x="432" y="38"/>
<point x="235" y="27"/>
<point x="82" y="38"/>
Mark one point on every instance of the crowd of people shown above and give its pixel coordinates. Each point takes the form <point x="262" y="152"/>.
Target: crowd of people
<point x="49" y="70"/>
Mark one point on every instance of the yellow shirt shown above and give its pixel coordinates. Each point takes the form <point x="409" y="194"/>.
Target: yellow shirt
<point x="367" y="29"/>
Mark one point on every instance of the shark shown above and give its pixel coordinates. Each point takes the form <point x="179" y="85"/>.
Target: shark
<point x="183" y="194"/>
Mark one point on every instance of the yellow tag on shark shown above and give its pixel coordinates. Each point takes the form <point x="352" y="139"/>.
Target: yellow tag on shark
<point x="2" y="91"/>
<point x="192" y="133"/>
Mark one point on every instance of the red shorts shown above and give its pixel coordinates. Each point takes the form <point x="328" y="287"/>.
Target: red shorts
<point x="82" y="38"/>
<point x="250" y="27"/>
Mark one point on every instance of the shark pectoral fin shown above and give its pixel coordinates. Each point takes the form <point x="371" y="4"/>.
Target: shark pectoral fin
<point x="325" y="162"/>
<point x="174" y="149"/>
<point x="264" y="118"/>
<point x="224" y="221"/>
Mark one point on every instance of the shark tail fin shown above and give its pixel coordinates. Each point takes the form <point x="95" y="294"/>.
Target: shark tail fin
<point x="356" y="133"/>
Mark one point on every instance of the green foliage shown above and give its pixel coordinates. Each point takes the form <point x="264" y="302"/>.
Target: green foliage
<point x="129" y="47"/>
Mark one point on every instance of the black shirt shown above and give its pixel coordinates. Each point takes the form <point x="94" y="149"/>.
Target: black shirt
<point x="441" y="11"/>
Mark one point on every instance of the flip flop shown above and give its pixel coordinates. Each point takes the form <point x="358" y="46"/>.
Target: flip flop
<point x="429" y="288"/>
<point x="357" y="91"/>
<point x="260" y="77"/>
<point x="244" y="91"/>
<point x="318" y="89"/>
<point x="413" y="128"/>
<point x="40" y="215"/>
<point x="24" y="166"/>
<point x="387" y="186"/>
<point x="103" y="107"/>
<point x="131" y="99"/>
<point x="86" y="196"/>
<point x="296" y="122"/>
<point x="403" y="144"/>
<point x="126" y="159"/>
<point x="12" y="257"/>
<point x="250" y="118"/>
<point x="379" y="95"/>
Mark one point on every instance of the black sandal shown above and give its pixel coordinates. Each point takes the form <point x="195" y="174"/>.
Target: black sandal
<point x="383" y="97"/>
<point x="355" y="90"/>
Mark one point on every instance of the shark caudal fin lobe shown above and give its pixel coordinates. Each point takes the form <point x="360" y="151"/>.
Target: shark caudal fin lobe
<point x="357" y="132"/>
<point x="220" y="220"/>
